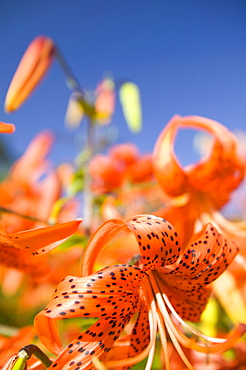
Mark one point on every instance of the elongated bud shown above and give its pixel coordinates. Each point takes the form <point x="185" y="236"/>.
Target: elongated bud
<point x="30" y="71"/>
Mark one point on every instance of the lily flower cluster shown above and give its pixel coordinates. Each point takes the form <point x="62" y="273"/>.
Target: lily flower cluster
<point x="154" y="263"/>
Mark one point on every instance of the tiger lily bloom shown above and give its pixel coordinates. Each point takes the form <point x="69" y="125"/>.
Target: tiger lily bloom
<point x="222" y="171"/>
<point x="6" y="128"/>
<point x="166" y="282"/>
<point x="24" y="250"/>
<point x="31" y="70"/>
<point x="197" y="192"/>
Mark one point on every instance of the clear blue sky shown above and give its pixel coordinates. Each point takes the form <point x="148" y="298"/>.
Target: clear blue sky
<point x="187" y="57"/>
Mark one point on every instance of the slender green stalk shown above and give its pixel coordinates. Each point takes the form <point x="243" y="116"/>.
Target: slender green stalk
<point x="25" y="354"/>
<point x="71" y="80"/>
<point x="31" y="218"/>
<point x="88" y="196"/>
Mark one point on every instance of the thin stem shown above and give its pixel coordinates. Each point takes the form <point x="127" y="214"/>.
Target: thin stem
<point x="71" y="80"/>
<point x="88" y="196"/>
<point x="172" y="331"/>
<point x="30" y="218"/>
<point x="29" y="350"/>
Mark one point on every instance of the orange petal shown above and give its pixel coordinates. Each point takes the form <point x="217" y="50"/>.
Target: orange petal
<point x="32" y="68"/>
<point x="221" y="171"/>
<point x="42" y="240"/>
<point x="167" y="169"/>
<point x="48" y="333"/>
<point x="126" y="153"/>
<point x="204" y="260"/>
<point x="32" y="162"/>
<point x="6" y="128"/>
<point x="110" y="294"/>
<point x="20" y="250"/>
<point x="157" y="239"/>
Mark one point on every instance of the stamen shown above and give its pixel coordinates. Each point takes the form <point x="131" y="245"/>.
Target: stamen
<point x="238" y="228"/>
<point x="163" y="337"/>
<point x="190" y="343"/>
<point x="168" y="322"/>
<point x="187" y="326"/>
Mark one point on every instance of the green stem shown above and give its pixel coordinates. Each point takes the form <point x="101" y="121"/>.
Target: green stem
<point x="6" y="210"/>
<point x="29" y="350"/>
<point x="88" y="196"/>
<point x="71" y="80"/>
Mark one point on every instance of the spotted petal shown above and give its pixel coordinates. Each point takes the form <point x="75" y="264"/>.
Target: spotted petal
<point x="203" y="261"/>
<point x="110" y="294"/>
<point x="157" y="239"/>
<point x="21" y="250"/>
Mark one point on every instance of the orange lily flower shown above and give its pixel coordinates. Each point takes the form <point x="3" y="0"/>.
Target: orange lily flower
<point x="6" y="128"/>
<point x="24" y="190"/>
<point x="166" y="282"/>
<point x="222" y="171"/>
<point x="23" y="250"/>
<point x="121" y="166"/>
<point x="106" y="173"/>
<point x="31" y="70"/>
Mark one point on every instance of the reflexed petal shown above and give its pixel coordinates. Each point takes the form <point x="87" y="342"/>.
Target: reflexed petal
<point x="203" y="261"/>
<point x="221" y="171"/>
<point x="110" y="294"/>
<point x="157" y="239"/>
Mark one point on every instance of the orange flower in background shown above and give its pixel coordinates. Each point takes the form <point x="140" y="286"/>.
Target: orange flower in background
<point x="24" y="190"/>
<point x="106" y="173"/>
<point x="123" y="165"/>
<point x="31" y="70"/>
<point x="205" y="187"/>
<point x="165" y="282"/>
<point x="6" y="128"/>
<point x="24" y="250"/>
<point x="126" y="153"/>
<point x="198" y="192"/>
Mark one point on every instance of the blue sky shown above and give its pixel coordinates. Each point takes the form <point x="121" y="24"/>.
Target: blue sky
<point x="187" y="57"/>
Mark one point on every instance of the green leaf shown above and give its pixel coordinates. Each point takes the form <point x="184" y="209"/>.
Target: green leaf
<point x="130" y="101"/>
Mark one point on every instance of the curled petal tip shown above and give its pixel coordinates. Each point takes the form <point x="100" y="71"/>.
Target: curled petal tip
<point x="30" y="71"/>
